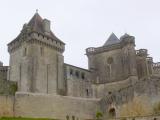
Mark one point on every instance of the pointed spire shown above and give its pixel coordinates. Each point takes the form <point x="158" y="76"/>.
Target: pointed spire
<point x="36" y="10"/>
<point x="112" y="40"/>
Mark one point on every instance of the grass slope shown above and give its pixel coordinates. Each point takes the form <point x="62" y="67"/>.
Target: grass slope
<point x="19" y="118"/>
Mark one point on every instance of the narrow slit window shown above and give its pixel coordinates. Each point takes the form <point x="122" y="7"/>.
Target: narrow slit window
<point x="25" y="52"/>
<point x="87" y="92"/>
<point x="71" y="72"/>
<point x="42" y="51"/>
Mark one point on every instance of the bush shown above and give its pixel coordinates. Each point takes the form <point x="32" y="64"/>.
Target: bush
<point x="99" y="115"/>
<point x="156" y="108"/>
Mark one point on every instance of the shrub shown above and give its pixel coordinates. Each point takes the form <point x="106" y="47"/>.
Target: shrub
<point x="99" y="115"/>
<point x="156" y="108"/>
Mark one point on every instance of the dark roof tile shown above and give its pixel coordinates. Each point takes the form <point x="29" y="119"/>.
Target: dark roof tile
<point x="112" y="40"/>
<point x="36" y="24"/>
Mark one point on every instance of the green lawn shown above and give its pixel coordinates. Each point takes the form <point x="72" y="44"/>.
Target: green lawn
<point x="19" y="118"/>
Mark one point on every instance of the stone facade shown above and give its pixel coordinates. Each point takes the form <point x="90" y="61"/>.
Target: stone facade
<point x="117" y="74"/>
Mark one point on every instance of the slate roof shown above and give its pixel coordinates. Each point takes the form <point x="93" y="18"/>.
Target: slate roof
<point x="112" y="40"/>
<point x="36" y="24"/>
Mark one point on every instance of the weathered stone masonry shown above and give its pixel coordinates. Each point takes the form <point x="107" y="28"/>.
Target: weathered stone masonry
<point x="47" y="87"/>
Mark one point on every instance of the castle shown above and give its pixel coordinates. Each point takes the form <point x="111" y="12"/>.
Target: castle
<point x="48" y="87"/>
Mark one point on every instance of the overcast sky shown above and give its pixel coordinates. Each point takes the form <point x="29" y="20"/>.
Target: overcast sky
<point x="85" y="23"/>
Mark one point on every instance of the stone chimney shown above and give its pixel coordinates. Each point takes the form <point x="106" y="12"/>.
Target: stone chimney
<point x="1" y="64"/>
<point x="46" y="26"/>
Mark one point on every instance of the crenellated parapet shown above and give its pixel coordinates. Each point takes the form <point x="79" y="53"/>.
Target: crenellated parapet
<point x="93" y="50"/>
<point x="21" y="38"/>
<point x="27" y="36"/>
<point x="3" y="72"/>
<point x="150" y="59"/>
<point x="124" y="40"/>
<point x="156" y="65"/>
<point x="156" y="68"/>
<point x="142" y="52"/>
<point x="47" y="41"/>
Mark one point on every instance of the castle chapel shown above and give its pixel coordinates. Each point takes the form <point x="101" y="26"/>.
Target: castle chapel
<point x="47" y="87"/>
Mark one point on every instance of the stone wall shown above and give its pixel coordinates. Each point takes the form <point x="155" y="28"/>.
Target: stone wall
<point x="78" y="81"/>
<point x="79" y="88"/>
<point x="147" y="91"/>
<point x="101" y="90"/>
<point x="6" y="105"/>
<point x="54" y="106"/>
<point x="103" y="71"/>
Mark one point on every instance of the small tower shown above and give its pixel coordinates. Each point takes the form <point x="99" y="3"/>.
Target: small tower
<point x="128" y="55"/>
<point x="36" y="58"/>
<point x="144" y="63"/>
<point x="114" y="61"/>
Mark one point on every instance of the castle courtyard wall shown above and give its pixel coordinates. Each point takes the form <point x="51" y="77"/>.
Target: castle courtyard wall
<point x="54" y="106"/>
<point x="38" y="105"/>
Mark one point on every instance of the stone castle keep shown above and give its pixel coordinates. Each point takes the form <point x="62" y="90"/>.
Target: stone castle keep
<point x="45" y="86"/>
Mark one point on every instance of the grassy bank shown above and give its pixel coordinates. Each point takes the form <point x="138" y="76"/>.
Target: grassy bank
<point x="19" y="118"/>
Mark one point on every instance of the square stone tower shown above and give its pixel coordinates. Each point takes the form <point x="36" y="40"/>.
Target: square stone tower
<point x="36" y="58"/>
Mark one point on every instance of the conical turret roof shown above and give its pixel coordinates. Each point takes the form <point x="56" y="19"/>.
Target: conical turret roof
<point x="112" y="40"/>
<point x="36" y="24"/>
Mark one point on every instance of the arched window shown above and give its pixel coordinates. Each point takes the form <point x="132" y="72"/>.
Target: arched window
<point x="67" y="117"/>
<point x="112" y="113"/>
<point x="77" y="74"/>
<point x="71" y="72"/>
<point x="73" y="117"/>
<point x="83" y="76"/>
